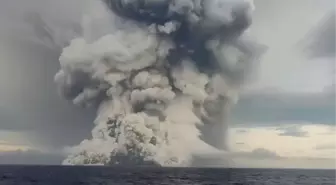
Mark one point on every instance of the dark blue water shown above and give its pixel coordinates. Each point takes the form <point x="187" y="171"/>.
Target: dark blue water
<point x="65" y="175"/>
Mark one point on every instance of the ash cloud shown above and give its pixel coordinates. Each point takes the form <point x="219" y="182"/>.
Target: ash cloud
<point x="163" y="75"/>
<point x="32" y="35"/>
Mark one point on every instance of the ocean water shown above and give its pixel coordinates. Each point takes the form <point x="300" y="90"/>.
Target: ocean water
<point x="66" y="175"/>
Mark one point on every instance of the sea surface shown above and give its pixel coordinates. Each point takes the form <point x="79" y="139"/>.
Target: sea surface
<point x="66" y="175"/>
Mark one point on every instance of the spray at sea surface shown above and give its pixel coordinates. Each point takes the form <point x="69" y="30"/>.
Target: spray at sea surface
<point x="163" y="75"/>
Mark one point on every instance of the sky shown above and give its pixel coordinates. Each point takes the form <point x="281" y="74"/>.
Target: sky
<point x="285" y="118"/>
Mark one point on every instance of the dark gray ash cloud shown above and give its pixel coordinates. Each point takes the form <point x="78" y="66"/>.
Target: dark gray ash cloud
<point x="265" y="107"/>
<point x="28" y="61"/>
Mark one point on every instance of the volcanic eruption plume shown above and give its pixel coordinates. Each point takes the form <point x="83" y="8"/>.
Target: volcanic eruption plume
<point x="163" y="74"/>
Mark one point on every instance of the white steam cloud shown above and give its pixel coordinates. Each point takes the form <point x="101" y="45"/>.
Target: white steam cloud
<point x="163" y="74"/>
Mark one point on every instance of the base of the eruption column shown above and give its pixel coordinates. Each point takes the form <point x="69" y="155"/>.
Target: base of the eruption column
<point x="215" y="135"/>
<point x="211" y="161"/>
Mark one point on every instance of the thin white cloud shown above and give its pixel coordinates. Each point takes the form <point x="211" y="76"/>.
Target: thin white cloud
<point x="7" y="146"/>
<point x="10" y="147"/>
<point x="293" y="131"/>
<point x="328" y="146"/>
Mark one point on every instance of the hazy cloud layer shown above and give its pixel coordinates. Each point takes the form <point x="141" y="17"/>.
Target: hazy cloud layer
<point x="264" y="158"/>
<point x="258" y="153"/>
<point x="330" y="146"/>
<point x="30" y="157"/>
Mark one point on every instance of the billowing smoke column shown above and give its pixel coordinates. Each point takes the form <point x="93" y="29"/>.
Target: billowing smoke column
<point x="163" y="74"/>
